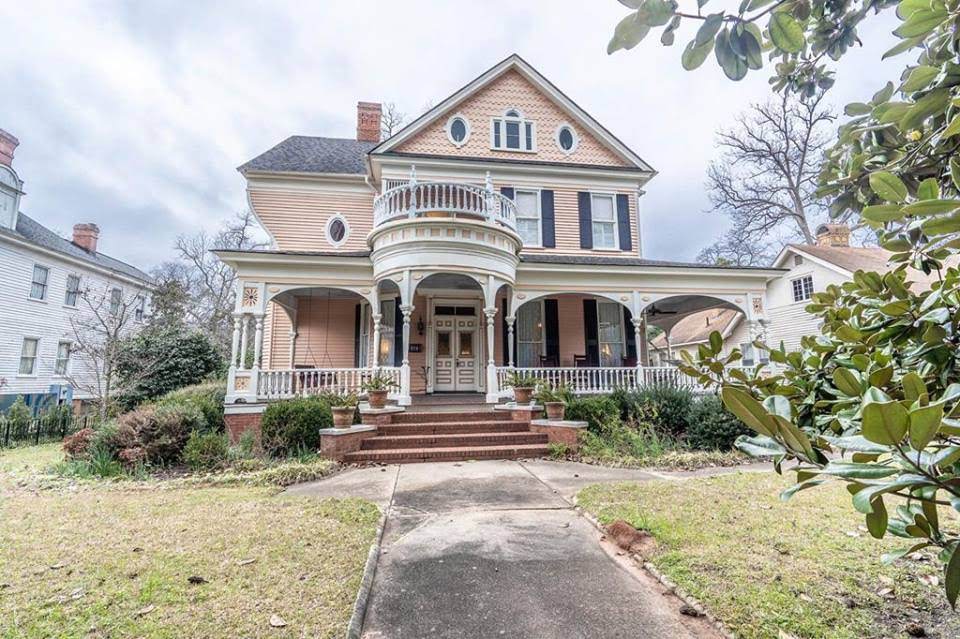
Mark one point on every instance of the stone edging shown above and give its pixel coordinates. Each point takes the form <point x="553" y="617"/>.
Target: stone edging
<point x="671" y="587"/>
<point x="366" y="583"/>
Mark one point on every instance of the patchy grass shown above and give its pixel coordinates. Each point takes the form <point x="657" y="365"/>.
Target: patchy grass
<point x="24" y="463"/>
<point x="118" y="563"/>
<point x="668" y="460"/>
<point x="806" y="567"/>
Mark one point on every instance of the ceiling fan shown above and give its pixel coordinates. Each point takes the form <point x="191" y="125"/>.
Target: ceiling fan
<point x="654" y="311"/>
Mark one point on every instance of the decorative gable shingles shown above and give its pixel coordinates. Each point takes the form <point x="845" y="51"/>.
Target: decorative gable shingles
<point x="511" y="90"/>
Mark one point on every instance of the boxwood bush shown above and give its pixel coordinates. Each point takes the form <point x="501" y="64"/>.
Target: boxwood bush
<point x="206" y="397"/>
<point x="292" y="425"/>
<point x="713" y="427"/>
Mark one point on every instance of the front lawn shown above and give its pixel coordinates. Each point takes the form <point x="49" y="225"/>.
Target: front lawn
<point x="141" y="559"/>
<point x="806" y="567"/>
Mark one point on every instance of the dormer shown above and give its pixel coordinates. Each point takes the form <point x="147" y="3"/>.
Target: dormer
<point x="11" y="187"/>
<point x="513" y="132"/>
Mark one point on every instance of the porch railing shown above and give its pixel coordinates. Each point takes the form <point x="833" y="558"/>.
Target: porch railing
<point x="599" y="380"/>
<point x="284" y="384"/>
<point x="419" y="198"/>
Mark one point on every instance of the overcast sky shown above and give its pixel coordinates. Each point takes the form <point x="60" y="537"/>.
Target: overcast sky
<point x="135" y="115"/>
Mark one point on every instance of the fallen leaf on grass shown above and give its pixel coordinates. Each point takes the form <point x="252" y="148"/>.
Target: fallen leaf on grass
<point x="146" y="611"/>
<point x="930" y="580"/>
<point x="277" y="621"/>
<point x="245" y="562"/>
<point x="57" y="566"/>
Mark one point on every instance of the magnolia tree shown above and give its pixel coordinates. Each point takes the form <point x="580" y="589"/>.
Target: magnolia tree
<point x="874" y="400"/>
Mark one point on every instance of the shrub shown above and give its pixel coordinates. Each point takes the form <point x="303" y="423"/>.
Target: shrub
<point x="111" y="437"/>
<point x="18" y="417"/>
<point x="634" y="442"/>
<point x="713" y="427"/>
<point x="206" y="451"/>
<point x="207" y="397"/>
<point x="292" y="424"/>
<point x="670" y="405"/>
<point x="161" y="431"/>
<point x="77" y="446"/>
<point x="599" y="412"/>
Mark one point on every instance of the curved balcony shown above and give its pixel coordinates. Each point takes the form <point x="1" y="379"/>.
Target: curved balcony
<point x="444" y="199"/>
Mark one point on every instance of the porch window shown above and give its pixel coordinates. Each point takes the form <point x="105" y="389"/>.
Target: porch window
<point x="388" y="332"/>
<point x="529" y="335"/>
<point x="604" y="219"/>
<point x="610" y="333"/>
<point x="528" y="217"/>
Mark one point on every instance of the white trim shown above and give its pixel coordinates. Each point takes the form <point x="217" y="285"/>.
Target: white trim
<point x="346" y="230"/>
<point x="46" y="282"/>
<point x="539" y="81"/>
<point x="539" y="197"/>
<point x="800" y="279"/>
<point x="36" y="356"/>
<point x="573" y="132"/>
<point x="449" y="129"/>
<point x="56" y="358"/>
<point x="615" y="221"/>
<point x="528" y="143"/>
<point x="787" y="250"/>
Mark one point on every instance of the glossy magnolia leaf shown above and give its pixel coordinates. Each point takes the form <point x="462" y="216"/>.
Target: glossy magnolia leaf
<point x="931" y="207"/>
<point x="877" y="520"/>
<point x="955" y="172"/>
<point x="932" y="103"/>
<point x="709" y="29"/>
<point x="952" y="576"/>
<point x="864" y="498"/>
<point x="888" y="186"/>
<point x="787" y="493"/>
<point x="785" y="32"/>
<point x="882" y="213"/>
<point x="953" y="128"/>
<point x="656" y="13"/>
<point x="942" y="225"/>
<point x="890" y="557"/>
<point x="885" y="422"/>
<point x="883" y="94"/>
<point x="759" y="446"/>
<point x="716" y="342"/>
<point x="734" y="67"/>
<point x="921" y="22"/>
<point x="920" y="78"/>
<point x="856" y="443"/>
<point x="694" y="54"/>
<point x="847" y="382"/>
<point x="913" y="386"/>
<point x="850" y="470"/>
<point x="905" y="45"/>
<point x="628" y="34"/>
<point x="924" y="424"/>
<point x="857" y="108"/>
<point x="746" y="43"/>
<point x="633" y="4"/>
<point x="750" y="411"/>
<point x="929" y="189"/>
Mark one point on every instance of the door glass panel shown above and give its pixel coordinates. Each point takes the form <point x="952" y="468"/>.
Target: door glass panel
<point x="466" y="345"/>
<point x="443" y="344"/>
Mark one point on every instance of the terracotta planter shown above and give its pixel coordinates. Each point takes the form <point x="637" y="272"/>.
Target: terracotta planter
<point x="523" y="394"/>
<point x="554" y="410"/>
<point x="343" y="416"/>
<point x="377" y="398"/>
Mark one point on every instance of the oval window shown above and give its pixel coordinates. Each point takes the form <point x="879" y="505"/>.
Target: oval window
<point x="337" y="230"/>
<point x="566" y="139"/>
<point x="458" y="130"/>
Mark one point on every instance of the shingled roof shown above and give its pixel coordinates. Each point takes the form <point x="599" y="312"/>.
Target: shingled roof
<point x="696" y="328"/>
<point x="305" y="154"/>
<point x="35" y="233"/>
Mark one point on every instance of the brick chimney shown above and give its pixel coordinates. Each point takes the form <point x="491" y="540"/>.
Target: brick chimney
<point x="85" y="236"/>
<point x="8" y="142"/>
<point x="833" y="235"/>
<point x="368" y="121"/>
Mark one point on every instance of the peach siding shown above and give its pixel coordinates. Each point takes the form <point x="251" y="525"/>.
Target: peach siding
<point x="298" y="218"/>
<point x="511" y="90"/>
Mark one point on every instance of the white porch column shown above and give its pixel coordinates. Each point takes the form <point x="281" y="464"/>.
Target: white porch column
<point x="245" y="322"/>
<point x="404" y="400"/>
<point x="510" y="322"/>
<point x="257" y="355"/>
<point x="643" y="348"/>
<point x="375" y="360"/>
<point x="493" y="389"/>
<point x="640" y="338"/>
<point x="235" y="343"/>
<point x="293" y="347"/>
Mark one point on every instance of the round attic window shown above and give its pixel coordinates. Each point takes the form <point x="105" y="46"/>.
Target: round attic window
<point x="567" y="139"/>
<point x="338" y="230"/>
<point x="458" y="130"/>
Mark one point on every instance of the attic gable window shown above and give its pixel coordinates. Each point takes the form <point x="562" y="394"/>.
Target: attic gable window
<point x="512" y="132"/>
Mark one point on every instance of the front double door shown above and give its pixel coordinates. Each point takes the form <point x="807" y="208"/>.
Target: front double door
<point x="455" y="349"/>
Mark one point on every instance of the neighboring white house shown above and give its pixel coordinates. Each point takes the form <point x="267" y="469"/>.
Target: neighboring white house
<point x="46" y="283"/>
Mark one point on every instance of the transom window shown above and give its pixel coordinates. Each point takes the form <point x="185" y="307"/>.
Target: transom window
<point x="528" y="217"/>
<point x="28" y="356"/>
<point x="610" y="333"/>
<point x="604" y="219"/>
<point x="458" y="130"/>
<point x="63" y="358"/>
<point x="802" y="288"/>
<point x="73" y="290"/>
<point x="513" y="133"/>
<point x="567" y="139"/>
<point x="38" y="287"/>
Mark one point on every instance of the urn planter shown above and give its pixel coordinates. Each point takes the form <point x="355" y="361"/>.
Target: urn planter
<point x="343" y="416"/>
<point x="523" y="394"/>
<point x="377" y="398"/>
<point x="555" y="410"/>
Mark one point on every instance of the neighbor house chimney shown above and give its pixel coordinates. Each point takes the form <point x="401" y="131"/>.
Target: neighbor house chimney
<point x="85" y="236"/>
<point x="833" y="235"/>
<point x="368" y="121"/>
<point x="7" y="145"/>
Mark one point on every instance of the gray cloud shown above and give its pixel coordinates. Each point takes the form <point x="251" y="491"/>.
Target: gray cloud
<point x="135" y="114"/>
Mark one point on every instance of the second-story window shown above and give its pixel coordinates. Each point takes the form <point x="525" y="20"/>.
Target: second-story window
<point x="802" y="288"/>
<point x="141" y="307"/>
<point x="513" y="132"/>
<point x="604" y="221"/>
<point x="73" y="290"/>
<point x="116" y="296"/>
<point x="528" y="217"/>
<point x="38" y="287"/>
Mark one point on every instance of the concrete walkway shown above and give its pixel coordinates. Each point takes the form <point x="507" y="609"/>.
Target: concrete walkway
<point x="495" y="549"/>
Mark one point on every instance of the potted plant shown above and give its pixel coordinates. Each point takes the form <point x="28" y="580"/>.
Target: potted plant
<point x="523" y="387"/>
<point x="343" y="408"/>
<point x="377" y="389"/>
<point x="554" y="399"/>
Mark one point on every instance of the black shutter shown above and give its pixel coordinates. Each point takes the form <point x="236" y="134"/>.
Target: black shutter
<point x="623" y="222"/>
<point x="397" y="333"/>
<point x="631" y="334"/>
<point x="547" y="219"/>
<point x="590" y="337"/>
<point x="586" y="220"/>
<point x="551" y="333"/>
<point x="356" y="336"/>
<point x="507" y="192"/>
<point x="505" y="355"/>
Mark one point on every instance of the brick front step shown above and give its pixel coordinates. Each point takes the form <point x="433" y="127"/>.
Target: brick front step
<point x="472" y="416"/>
<point x="458" y="440"/>
<point x="451" y="428"/>
<point x="452" y="453"/>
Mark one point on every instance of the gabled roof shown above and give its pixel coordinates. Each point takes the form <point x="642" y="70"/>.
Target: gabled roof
<point x="515" y="62"/>
<point x="696" y="328"/>
<point x="33" y="232"/>
<point x="304" y="154"/>
<point x="847" y="260"/>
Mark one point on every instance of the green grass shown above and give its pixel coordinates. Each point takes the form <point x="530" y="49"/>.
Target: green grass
<point x="806" y="567"/>
<point x="98" y="559"/>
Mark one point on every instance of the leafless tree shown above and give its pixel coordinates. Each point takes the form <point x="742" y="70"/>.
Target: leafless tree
<point x="735" y="249"/>
<point x="203" y="286"/>
<point x="765" y="179"/>
<point x="391" y="120"/>
<point x="106" y="317"/>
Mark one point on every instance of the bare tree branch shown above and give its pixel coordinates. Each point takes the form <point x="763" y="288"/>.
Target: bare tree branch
<point x="735" y="250"/>
<point x="391" y="120"/>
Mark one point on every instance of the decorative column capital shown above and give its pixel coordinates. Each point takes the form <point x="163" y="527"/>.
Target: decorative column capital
<point x="406" y="310"/>
<point x="637" y="322"/>
<point x="491" y="313"/>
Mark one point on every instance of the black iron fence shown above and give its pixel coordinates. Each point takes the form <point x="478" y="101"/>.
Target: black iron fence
<point x="38" y="430"/>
